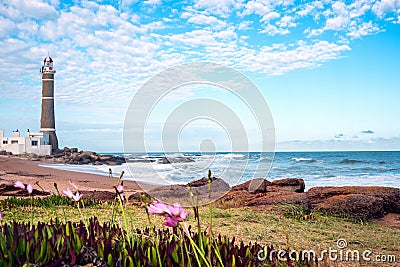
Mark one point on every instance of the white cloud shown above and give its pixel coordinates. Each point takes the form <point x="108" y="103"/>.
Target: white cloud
<point x="244" y="25"/>
<point x="270" y="16"/>
<point x="221" y="7"/>
<point x="380" y="8"/>
<point x="366" y="28"/>
<point x="31" y="9"/>
<point x="100" y="49"/>
<point x="6" y="27"/>
<point x="152" y="2"/>
<point x="336" y="23"/>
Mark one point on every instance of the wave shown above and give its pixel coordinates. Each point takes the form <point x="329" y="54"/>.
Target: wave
<point x="230" y="156"/>
<point x="309" y="160"/>
<point x="350" y="161"/>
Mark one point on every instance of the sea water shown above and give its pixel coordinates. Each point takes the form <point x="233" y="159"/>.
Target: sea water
<point x="364" y="168"/>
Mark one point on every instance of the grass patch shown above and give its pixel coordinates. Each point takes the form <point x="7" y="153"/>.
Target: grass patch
<point x="284" y="228"/>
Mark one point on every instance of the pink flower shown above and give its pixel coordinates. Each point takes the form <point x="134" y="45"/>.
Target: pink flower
<point x="76" y="197"/>
<point x="29" y="188"/>
<point x="158" y="207"/>
<point x="173" y="214"/>
<point x="67" y="193"/>
<point x="19" y="184"/>
<point x="1" y="216"/>
<point x="73" y="185"/>
<point x="171" y="222"/>
<point x="120" y="188"/>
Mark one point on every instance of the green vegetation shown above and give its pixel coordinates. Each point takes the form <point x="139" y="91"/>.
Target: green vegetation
<point x="284" y="228"/>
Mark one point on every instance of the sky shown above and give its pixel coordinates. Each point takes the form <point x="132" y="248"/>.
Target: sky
<point x="327" y="69"/>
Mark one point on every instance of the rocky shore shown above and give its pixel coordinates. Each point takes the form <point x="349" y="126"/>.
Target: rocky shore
<point x="359" y="202"/>
<point x="73" y="156"/>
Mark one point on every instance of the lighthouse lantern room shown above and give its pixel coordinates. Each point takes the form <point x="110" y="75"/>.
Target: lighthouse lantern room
<point x="47" y="65"/>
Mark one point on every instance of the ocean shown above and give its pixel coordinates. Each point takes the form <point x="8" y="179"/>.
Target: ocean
<point x="365" y="168"/>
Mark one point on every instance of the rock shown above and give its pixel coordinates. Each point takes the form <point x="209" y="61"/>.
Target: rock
<point x="272" y="198"/>
<point x="359" y="206"/>
<point x="186" y="159"/>
<point x="287" y="185"/>
<point x="136" y="198"/>
<point x="11" y="190"/>
<point x="98" y="195"/>
<point x="169" y="191"/>
<point x="201" y="182"/>
<point x="389" y="195"/>
<point x="165" y="161"/>
<point x="199" y="188"/>
<point x="257" y="185"/>
<point x="217" y="185"/>
<point x="235" y="199"/>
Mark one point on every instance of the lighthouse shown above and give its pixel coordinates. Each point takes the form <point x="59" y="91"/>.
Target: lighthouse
<point x="47" y="120"/>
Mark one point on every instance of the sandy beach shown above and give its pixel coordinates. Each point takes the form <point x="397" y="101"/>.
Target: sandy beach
<point x="19" y="169"/>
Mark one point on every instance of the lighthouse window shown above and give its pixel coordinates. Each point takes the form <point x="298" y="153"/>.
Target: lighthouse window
<point x="5" y="142"/>
<point x="14" y="141"/>
<point x="34" y="143"/>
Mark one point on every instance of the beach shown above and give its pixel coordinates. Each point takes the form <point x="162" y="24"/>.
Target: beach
<point x="30" y="172"/>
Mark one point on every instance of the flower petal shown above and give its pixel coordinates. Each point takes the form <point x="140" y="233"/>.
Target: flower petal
<point x="19" y="184"/>
<point x="77" y="196"/>
<point x="120" y="188"/>
<point x="158" y="207"/>
<point x="29" y="188"/>
<point x="67" y="193"/>
<point x="171" y="222"/>
<point x="73" y="185"/>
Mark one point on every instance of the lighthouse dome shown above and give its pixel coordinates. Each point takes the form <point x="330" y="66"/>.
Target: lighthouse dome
<point x="48" y="59"/>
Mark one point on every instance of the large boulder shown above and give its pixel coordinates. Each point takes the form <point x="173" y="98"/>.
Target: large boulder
<point x="257" y="185"/>
<point x="389" y="195"/>
<point x="136" y="198"/>
<point x="273" y="198"/>
<point x="235" y="199"/>
<point x="287" y="185"/>
<point x="199" y="189"/>
<point x="356" y="205"/>
<point x="98" y="195"/>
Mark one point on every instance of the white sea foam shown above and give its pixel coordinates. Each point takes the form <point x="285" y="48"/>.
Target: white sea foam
<point x="304" y="159"/>
<point x="240" y="167"/>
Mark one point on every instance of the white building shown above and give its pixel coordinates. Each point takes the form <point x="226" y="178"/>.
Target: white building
<point x="37" y="143"/>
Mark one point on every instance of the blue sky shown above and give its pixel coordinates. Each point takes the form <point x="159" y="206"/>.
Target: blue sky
<point x="328" y="69"/>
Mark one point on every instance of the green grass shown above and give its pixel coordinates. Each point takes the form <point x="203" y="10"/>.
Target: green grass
<point x="283" y="228"/>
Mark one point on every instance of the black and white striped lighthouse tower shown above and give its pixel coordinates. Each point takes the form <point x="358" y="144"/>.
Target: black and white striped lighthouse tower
<point x="47" y="120"/>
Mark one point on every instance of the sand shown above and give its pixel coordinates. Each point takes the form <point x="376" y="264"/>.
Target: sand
<point x="19" y="169"/>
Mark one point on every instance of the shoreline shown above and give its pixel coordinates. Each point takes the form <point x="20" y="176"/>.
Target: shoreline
<point x="30" y="172"/>
<point x="20" y="169"/>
